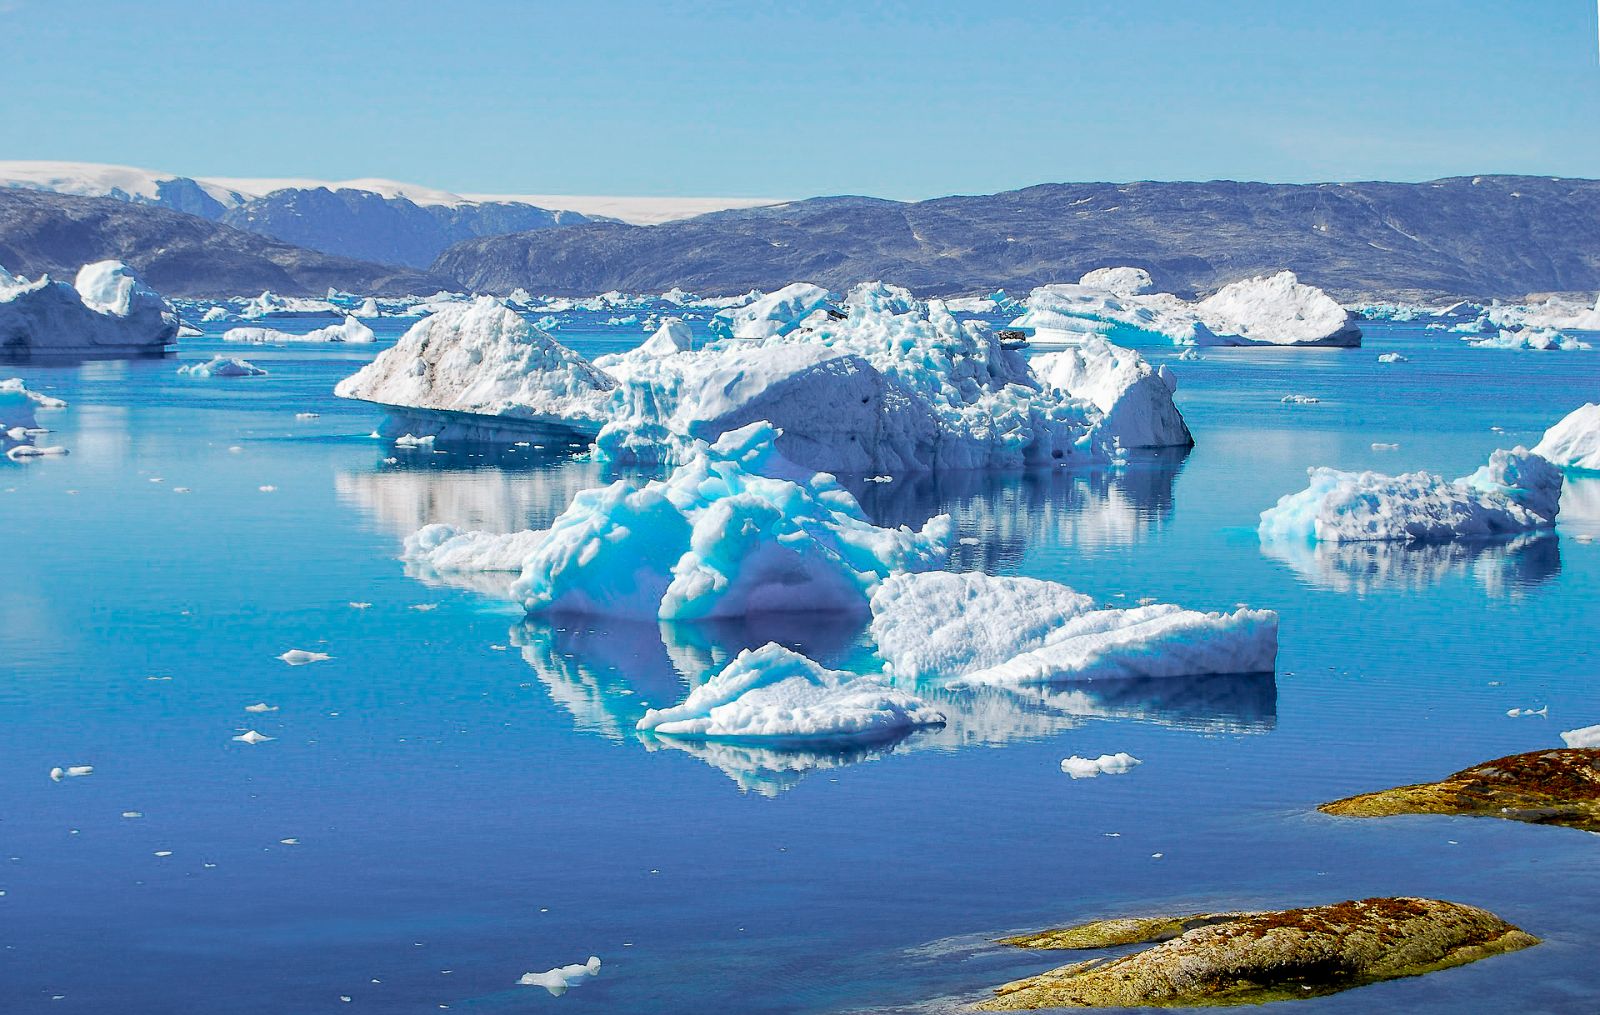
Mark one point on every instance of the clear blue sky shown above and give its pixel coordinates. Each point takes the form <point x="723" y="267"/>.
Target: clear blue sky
<point x="894" y="99"/>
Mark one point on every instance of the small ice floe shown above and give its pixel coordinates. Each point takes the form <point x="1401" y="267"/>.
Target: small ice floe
<point x="131" y="815"/>
<point x="1107" y="764"/>
<point x="968" y="540"/>
<point x="1392" y="357"/>
<point x="880" y="479"/>
<point x="1299" y="400"/>
<point x="413" y="441"/>
<point x="391" y="461"/>
<point x="557" y="981"/>
<point x="222" y="366"/>
<point x="261" y="706"/>
<point x="252" y="737"/>
<point x="1589" y="736"/>
<point x="289" y="842"/>
<point x="71" y="772"/>
<point x="268" y="489"/>
<point x="308" y="415"/>
<point x="163" y="852"/>
<point x="424" y="607"/>
<point x="1516" y="712"/>
<point x="1379" y="446"/>
<point x="300" y="657"/>
<point x="180" y="489"/>
<point x="157" y="479"/>
<point x="22" y="451"/>
<point x="361" y="606"/>
<point x="1189" y="355"/>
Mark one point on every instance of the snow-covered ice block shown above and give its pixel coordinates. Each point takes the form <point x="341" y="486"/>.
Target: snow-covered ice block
<point x="1517" y="491"/>
<point x="1135" y="399"/>
<point x="774" y="314"/>
<point x="350" y="330"/>
<point x="773" y="693"/>
<point x="1573" y="443"/>
<point x="1107" y="764"/>
<point x="108" y="311"/>
<point x="736" y="530"/>
<point x="222" y="366"/>
<point x="1277" y="310"/>
<point x="559" y="980"/>
<point x="980" y="629"/>
<point x="1122" y="281"/>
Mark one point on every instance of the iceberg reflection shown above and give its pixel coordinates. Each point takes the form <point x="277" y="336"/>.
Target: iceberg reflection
<point x="1501" y="567"/>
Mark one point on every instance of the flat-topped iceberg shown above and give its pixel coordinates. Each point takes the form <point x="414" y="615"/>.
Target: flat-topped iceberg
<point x="107" y="311"/>
<point x="1574" y="443"/>
<point x="222" y="366"/>
<point x="979" y="629"/>
<point x="736" y="530"/>
<point x="483" y="359"/>
<point x="349" y="330"/>
<point x="1277" y="310"/>
<point x="773" y="693"/>
<point x="1060" y="315"/>
<point x="1517" y="491"/>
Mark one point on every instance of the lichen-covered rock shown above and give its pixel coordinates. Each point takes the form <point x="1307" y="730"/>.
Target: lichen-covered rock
<point x="1251" y="958"/>
<point x="1557" y="787"/>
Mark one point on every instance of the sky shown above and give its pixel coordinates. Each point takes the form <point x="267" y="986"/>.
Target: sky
<point x="892" y="99"/>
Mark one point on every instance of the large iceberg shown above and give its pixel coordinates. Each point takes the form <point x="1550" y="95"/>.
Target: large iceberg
<point x="773" y="693"/>
<point x="1517" y="491"/>
<point x="107" y="311"/>
<point x="1574" y="443"/>
<point x="1135" y="399"/>
<point x="737" y="530"/>
<point x="1277" y="310"/>
<point x="481" y="359"/>
<point x="1061" y="315"/>
<point x="980" y="629"/>
<point x="349" y="330"/>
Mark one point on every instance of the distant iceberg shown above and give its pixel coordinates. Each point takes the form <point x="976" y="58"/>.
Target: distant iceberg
<point x="1277" y="310"/>
<point x="979" y="629"/>
<point x="222" y="366"/>
<point x="270" y="304"/>
<point x="1532" y="339"/>
<point x="1060" y="315"/>
<point x="1517" y="491"/>
<point x="774" y="314"/>
<point x="350" y="330"/>
<point x="736" y="530"/>
<point x="1122" y="281"/>
<point x="1574" y="443"/>
<point x="108" y="311"/>
<point x="773" y="693"/>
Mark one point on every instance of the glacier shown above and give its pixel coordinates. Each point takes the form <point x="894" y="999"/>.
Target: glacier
<point x="1517" y="491"/>
<point x="107" y="311"/>
<point x="774" y="693"/>
<point x="1574" y="442"/>
<point x="975" y="628"/>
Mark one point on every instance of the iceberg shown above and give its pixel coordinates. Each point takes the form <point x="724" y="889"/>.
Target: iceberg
<point x="222" y="366"/>
<point x="1136" y="400"/>
<point x="773" y="693"/>
<point x="557" y="981"/>
<point x="107" y="311"/>
<point x="772" y="315"/>
<point x="1532" y="339"/>
<point x="1277" y="310"/>
<point x="674" y="336"/>
<point x="1517" y="491"/>
<point x="270" y="304"/>
<point x="350" y="330"/>
<point x="1574" y="443"/>
<point x="980" y="629"/>
<point x="1122" y="281"/>
<point x="736" y="530"/>
<point x="1107" y="764"/>
<point x="1588" y="737"/>
<point x="19" y="424"/>
<point x="1059" y="315"/>
<point x="482" y="359"/>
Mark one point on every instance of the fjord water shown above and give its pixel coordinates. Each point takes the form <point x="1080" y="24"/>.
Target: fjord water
<point x="464" y="799"/>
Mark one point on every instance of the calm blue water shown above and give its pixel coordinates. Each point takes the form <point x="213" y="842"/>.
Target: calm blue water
<point x="469" y="801"/>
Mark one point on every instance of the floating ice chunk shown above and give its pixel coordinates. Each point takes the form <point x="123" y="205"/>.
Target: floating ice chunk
<point x="300" y="657"/>
<point x="308" y="415"/>
<point x="108" y="310"/>
<point x="261" y="706"/>
<point x="22" y="451"/>
<point x="1107" y="764"/>
<point x="975" y="628"/>
<point x="19" y="423"/>
<point x="773" y="692"/>
<point x="1277" y="310"/>
<point x="1517" y="491"/>
<point x="774" y="314"/>
<point x="222" y="366"/>
<point x="1574" y="443"/>
<point x="1391" y="357"/>
<point x="270" y="304"/>
<point x="361" y="606"/>
<point x="674" y="336"/>
<point x="559" y="980"/>
<point x="269" y="488"/>
<point x="737" y="530"/>
<point x="1517" y="712"/>
<point x="1119" y="281"/>
<point x="217" y="313"/>
<point x="1299" y="400"/>
<point x="1589" y="736"/>
<point x="71" y="772"/>
<point x="1531" y="340"/>
<point x="1059" y="315"/>
<point x="1377" y="446"/>
<point x="350" y="330"/>
<point x="1135" y="399"/>
<point x="413" y="441"/>
<point x="252" y="737"/>
<point x="1190" y="355"/>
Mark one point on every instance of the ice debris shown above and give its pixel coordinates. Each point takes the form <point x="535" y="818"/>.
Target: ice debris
<point x="350" y="330"/>
<point x="562" y="978"/>
<point x="222" y="366"/>
<point x="1107" y="764"/>
<point x="300" y="657"/>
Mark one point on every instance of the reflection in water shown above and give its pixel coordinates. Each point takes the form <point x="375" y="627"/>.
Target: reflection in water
<point x="605" y="673"/>
<point x="1500" y="568"/>
<point x="1009" y="512"/>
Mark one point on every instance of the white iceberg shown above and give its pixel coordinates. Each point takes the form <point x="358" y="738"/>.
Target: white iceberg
<point x="108" y="311"/>
<point x="1391" y="357"/>
<point x="559" y="980"/>
<point x="350" y="330"/>
<point x="1136" y="400"/>
<point x="1573" y="443"/>
<point x="19" y="424"/>
<point x="482" y="359"/>
<point x="1517" y="491"/>
<point x="979" y="629"/>
<point x="1277" y="310"/>
<point x="737" y="530"/>
<point x="222" y="366"/>
<point x="773" y="693"/>
<point x="1059" y="315"/>
<point x="252" y="737"/>
<point x="270" y="304"/>
<point x="1107" y="764"/>
<point x="71" y="772"/>
<point x="1588" y="737"/>
<point x="1530" y="340"/>
<point x="300" y="657"/>
<point x="1123" y="281"/>
<point x="674" y="336"/>
<point x="774" y="314"/>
